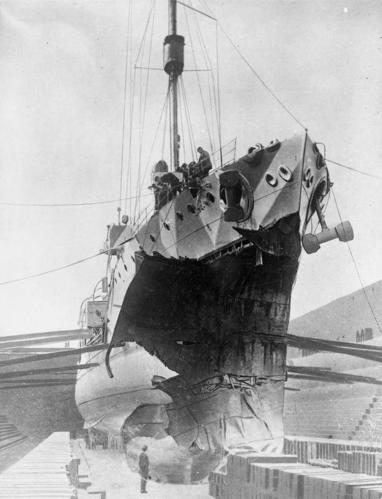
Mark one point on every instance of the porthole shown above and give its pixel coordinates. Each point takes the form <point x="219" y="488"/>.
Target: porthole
<point x="285" y="173"/>
<point x="271" y="180"/>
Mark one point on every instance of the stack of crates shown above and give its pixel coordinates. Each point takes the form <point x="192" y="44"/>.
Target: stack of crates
<point x="308" y="449"/>
<point x="360" y="462"/>
<point x="252" y="475"/>
<point x="237" y="482"/>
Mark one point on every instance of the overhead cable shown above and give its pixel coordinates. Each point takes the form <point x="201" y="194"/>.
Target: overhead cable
<point x="124" y="108"/>
<point x="196" y="10"/>
<point x="50" y="271"/>
<point x="43" y="205"/>
<point x="354" y="169"/>
<point x="372" y="311"/>
<point x="253" y="70"/>
<point x="199" y="83"/>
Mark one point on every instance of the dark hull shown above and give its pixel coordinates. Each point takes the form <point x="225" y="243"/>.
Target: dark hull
<point x="220" y="326"/>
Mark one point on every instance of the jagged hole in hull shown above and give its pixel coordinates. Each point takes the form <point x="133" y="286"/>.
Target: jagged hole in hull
<point x="220" y="326"/>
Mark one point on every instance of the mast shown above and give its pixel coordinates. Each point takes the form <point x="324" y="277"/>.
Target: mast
<point x="173" y="62"/>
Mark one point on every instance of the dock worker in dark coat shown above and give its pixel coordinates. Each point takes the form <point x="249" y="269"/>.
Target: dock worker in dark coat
<point x="144" y="465"/>
<point x="204" y="162"/>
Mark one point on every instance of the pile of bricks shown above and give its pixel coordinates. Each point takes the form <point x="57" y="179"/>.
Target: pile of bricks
<point x="260" y="476"/>
<point x="308" y="449"/>
<point x="360" y="462"/>
<point x="239" y="478"/>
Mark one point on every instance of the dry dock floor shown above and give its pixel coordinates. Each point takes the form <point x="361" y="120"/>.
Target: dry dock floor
<point x="108" y="471"/>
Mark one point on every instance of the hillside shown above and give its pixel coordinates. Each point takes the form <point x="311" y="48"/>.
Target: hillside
<point x="343" y="318"/>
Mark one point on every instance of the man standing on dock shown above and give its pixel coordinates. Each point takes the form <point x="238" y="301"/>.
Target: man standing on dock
<point x="144" y="469"/>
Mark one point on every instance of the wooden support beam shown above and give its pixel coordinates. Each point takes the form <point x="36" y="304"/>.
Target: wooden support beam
<point x="53" y="355"/>
<point x="54" y="370"/>
<point x="38" y="380"/>
<point x="309" y="369"/>
<point x="314" y="373"/>
<point x="31" y="350"/>
<point x="39" y="385"/>
<point x="316" y="344"/>
<point x="79" y="332"/>
<point x="311" y="377"/>
<point x="357" y="346"/>
<point x="52" y="339"/>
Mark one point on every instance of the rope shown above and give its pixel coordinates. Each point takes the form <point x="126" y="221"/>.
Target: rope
<point x="124" y="111"/>
<point x="199" y="84"/>
<point x="143" y="111"/>
<point x="183" y="142"/>
<point x="131" y="97"/>
<point x="51" y="271"/>
<point x="161" y="227"/>
<point x="163" y="112"/>
<point x="166" y="113"/>
<point x="182" y="109"/>
<point x="211" y="79"/>
<point x="354" y="169"/>
<point x="252" y="69"/>
<point x="357" y="270"/>
<point x="54" y="205"/>
<point x="218" y="93"/>
<point x="132" y="101"/>
<point x="188" y="118"/>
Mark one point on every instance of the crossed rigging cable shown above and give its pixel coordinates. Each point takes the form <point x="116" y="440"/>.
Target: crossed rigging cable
<point x="143" y="104"/>
<point x="358" y="272"/>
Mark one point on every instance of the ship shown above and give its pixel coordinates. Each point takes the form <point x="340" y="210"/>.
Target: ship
<point x="194" y="309"/>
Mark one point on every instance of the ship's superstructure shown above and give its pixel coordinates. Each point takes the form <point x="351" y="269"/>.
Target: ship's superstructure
<point x="197" y="303"/>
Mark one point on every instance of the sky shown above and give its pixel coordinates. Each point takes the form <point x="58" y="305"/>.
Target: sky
<point x="62" y="81"/>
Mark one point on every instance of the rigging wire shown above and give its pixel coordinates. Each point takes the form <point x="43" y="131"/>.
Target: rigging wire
<point x="166" y="113"/>
<point x="164" y="110"/>
<point x="55" y="205"/>
<point x="357" y="270"/>
<point x="163" y="221"/>
<point x="218" y="92"/>
<point x="131" y="101"/>
<point x="354" y="169"/>
<point x="182" y="134"/>
<point x="51" y="271"/>
<point x="124" y="114"/>
<point x="188" y="118"/>
<point x="199" y="83"/>
<point x="133" y="75"/>
<point x="213" y="98"/>
<point x="144" y="108"/>
<point x="256" y="74"/>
